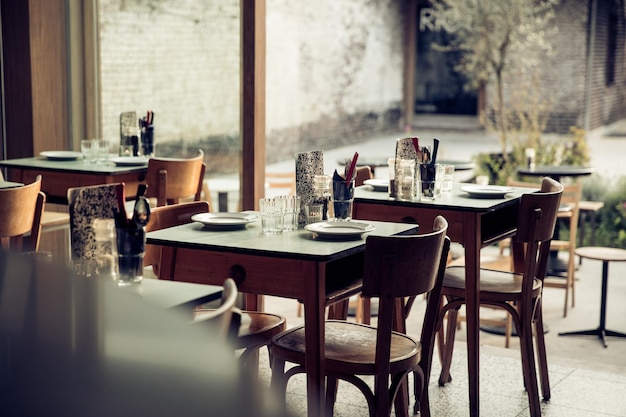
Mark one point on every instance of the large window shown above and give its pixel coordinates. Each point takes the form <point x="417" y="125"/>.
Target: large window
<point x="181" y="60"/>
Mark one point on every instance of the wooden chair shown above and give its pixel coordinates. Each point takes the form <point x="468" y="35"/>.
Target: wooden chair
<point x="170" y="179"/>
<point x="283" y="181"/>
<point x="568" y="212"/>
<point x="226" y="317"/>
<point x="255" y="329"/>
<point x="169" y="216"/>
<point x="21" y="209"/>
<point x="362" y="173"/>
<point x="536" y="221"/>
<point x="395" y="267"/>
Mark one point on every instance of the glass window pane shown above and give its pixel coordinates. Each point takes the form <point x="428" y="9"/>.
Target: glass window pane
<point x="180" y="60"/>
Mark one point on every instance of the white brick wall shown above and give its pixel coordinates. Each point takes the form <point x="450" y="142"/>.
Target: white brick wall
<point x="328" y="61"/>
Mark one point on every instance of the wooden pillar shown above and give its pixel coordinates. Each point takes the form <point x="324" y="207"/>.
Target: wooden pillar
<point x="252" y="102"/>
<point x="410" y="50"/>
<point x="35" y="76"/>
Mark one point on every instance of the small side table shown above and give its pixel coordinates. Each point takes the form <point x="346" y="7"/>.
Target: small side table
<point x="605" y="255"/>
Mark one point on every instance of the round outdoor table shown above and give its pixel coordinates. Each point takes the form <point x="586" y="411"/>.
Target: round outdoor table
<point x="555" y="266"/>
<point x="556" y="172"/>
<point x="605" y="255"/>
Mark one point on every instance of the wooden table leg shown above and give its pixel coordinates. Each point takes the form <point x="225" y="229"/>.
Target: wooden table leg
<point x="471" y="237"/>
<point x="314" y="308"/>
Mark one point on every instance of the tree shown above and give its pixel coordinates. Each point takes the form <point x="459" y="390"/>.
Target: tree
<point x="497" y="38"/>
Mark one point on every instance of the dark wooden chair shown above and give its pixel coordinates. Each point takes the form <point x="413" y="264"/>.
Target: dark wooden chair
<point x="397" y="269"/>
<point x="21" y="209"/>
<point x="569" y="211"/>
<point x="518" y="293"/>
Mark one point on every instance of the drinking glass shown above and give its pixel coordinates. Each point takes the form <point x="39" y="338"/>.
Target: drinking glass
<point x="103" y="148"/>
<point x="292" y="208"/>
<point x="426" y="181"/>
<point x="131" y="244"/>
<point x="313" y="212"/>
<point x="391" y="162"/>
<point x="448" y="177"/>
<point x="89" y="148"/>
<point x="272" y="215"/>
<point x="343" y="199"/>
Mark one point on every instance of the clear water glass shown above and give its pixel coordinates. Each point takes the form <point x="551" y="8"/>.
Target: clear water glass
<point x="272" y="215"/>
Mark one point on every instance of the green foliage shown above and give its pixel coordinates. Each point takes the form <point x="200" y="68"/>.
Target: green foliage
<point x="568" y="150"/>
<point x="611" y="219"/>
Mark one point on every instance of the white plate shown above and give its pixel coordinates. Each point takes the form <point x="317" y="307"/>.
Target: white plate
<point x="339" y="229"/>
<point x="487" y="191"/>
<point x="62" y="155"/>
<point x="378" y="184"/>
<point x="130" y="161"/>
<point x="225" y="220"/>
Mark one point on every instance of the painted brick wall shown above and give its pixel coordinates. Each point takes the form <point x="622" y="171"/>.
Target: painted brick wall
<point x="564" y="74"/>
<point x="334" y="70"/>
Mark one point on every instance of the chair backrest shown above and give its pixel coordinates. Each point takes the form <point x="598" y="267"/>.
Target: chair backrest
<point x="170" y="179"/>
<point x="21" y="209"/>
<point x="226" y="317"/>
<point x="391" y="260"/>
<point x="86" y="204"/>
<point x="284" y="182"/>
<point x="362" y="173"/>
<point x="535" y="228"/>
<point x="169" y="216"/>
<point x="398" y="267"/>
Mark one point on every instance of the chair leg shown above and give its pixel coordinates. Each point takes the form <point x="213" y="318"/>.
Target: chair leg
<point x="529" y="368"/>
<point x="331" y="394"/>
<point x="421" y="394"/>
<point x="507" y="331"/>
<point x="542" y="358"/>
<point x="339" y="311"/>
<point x="366" y="305"/>
<point x="278" y="382"/>
<point x="448" y="346"/>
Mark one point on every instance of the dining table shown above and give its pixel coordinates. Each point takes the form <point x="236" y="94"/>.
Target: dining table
<point x="179" y="296"/>
<point x="474" y="220"/>
<point x="60" y="174"/>
<point x="316" y="269"/>
<point x="556" y="172"/>
<point x="9" y="184"/>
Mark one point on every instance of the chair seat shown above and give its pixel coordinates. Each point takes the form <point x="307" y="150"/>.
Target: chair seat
<point x="350" y="348"/>
<point x="494" y="285"/>
<point x="255" y="329"/>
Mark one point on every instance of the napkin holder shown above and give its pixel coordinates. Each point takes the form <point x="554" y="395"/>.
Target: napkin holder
<point x="308" y="165"/>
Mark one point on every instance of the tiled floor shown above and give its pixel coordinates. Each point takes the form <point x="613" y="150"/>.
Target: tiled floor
<point x="586" y="379"/>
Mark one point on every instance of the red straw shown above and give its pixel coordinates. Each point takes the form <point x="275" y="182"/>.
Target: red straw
<point x="351" y="169"/>
<point x="416" y="145"/>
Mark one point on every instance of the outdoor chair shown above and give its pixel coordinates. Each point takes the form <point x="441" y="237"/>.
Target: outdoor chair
<point x="519" y="293"/>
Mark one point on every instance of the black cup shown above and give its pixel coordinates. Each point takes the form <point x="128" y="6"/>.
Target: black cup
<point x="131" y="245"/>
